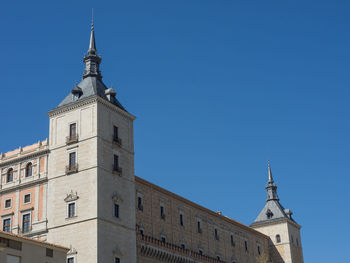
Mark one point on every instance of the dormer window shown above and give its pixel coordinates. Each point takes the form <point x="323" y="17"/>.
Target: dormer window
<point x="269" y="214"/>
<point x="76" y="92"/>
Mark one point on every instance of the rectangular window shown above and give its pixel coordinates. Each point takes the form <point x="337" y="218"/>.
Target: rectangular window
<point x="162" y="213"/>
<point x="199" y="228"/>
<point x="246" y="246"/>
<point x="181" y="220"/>
<point x="6" y="225"/>
<point x="26" y="198"/>
<point x="26" y="223"/>
<point x="72" y="160"/>
<point x="200" y="252"/>
<point x="139" y="203"/>
<point x="116" y="163"/>
<point x="163" y="239"/>
<point x="116" y="210"/>
<point x="71" y="210"/>
<point x="7" y="203"/>
<point x="70" y="260"/>
<point x="259" y="251"/>
<point x="73" y="130"/>
<point x="115" y="134"/>
<point x="216" y="234"/>
<point x="117" y="260"/>
<point x="13" y="259"/>
<point x="232" y="241"/>
<point x="49" y="252"/>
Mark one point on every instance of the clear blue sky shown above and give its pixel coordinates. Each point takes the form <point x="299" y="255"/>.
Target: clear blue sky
<point x="218" y="88"/>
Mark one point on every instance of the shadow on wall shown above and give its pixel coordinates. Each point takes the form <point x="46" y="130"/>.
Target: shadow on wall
<point x="275" y="254"/>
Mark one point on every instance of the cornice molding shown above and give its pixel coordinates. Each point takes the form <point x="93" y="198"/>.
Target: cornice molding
<point x="24" y="157"/>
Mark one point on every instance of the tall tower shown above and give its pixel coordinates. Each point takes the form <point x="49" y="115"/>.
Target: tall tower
<point x="91" y="171"/>
<point x="277" y="223"/>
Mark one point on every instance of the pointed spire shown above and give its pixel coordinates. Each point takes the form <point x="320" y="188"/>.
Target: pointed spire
<point x="271" y="188"/>
<point x="92" y="60"/>
<point x="270" y="181"/>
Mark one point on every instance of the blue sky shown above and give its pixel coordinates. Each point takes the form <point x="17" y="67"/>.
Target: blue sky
<point x="218" y="88"/>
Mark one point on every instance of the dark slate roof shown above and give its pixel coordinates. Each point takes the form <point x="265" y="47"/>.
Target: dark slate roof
<point x="275" y="208"/>
<point x="90" y="86"/>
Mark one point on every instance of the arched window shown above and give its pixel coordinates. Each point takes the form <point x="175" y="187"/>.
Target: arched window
<point x="9" y="177"/>
<point x="29" y="169"/>
<point x="278" y="239"/>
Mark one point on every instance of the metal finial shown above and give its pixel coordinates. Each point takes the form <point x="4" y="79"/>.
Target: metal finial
<point x="92" y="17"/>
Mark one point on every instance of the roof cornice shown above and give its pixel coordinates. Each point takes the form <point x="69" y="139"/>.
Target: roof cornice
<point x="275" y="221"/>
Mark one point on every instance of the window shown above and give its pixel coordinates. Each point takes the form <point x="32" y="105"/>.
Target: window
<point x="6" y="225"/>
<point x="292" y="238"/>
<point x="29" y="169"/>
<point x="116" y="260"/>
<point x="13" y="259"/>
<point x="49" y="252"/>
<point x="26" y="223"/>
<point x="9" y="176"/>
<point x="246" y="245"/>
<point x="71" y="209"/>
<point x="142" y="232"/>
<point x="116" y="138"/>
<point x="278" y="239"/>
<point x="72" y="160"/>
<point x="199" y="228"/>
<point x="218" y="258"/>
<point x="232" y="241"/>
<point x="26" y="198"/>
<point x="297" y="242"/>
<point x="70" y="260"/>
<point x="216" y="233"/>
<point x="8" y="203"/>
<point x="200" y="252"/>
<point x="73" y="130"/>
<point x="116" y="210"/>
<point x="259" y="250"/>
<point x="139" y="203"/>
<point x="183" y="246"/>
<point x="162" y="213"/>
<point x="181" y="219"/>
<point x="116" y="163"/>
<point x="163" y="239"/>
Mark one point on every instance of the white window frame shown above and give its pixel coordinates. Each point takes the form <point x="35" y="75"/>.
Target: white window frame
<point x="2" y="222"/>
<point x="75" y="210"/>
<point x="5" y="203"/>
<point x="76" y="128"/>
<point x="23" y="213"/>
<point x="30" y="196"/>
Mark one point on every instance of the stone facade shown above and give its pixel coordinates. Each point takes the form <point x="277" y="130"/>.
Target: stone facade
<point x="78" y="190"/>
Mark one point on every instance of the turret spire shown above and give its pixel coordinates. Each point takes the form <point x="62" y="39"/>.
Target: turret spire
<point x="271" y="188"/>
<point x="92" y="60"/>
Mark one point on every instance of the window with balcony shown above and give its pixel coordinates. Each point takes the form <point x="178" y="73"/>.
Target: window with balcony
<point x="6" y="225"/>
<point x="29" y="170"/>
<point x="73" y="135"/>
<point x="9" y="176"/>
<point x="26" y="223"/>
<point x="72" y="166"/>
<point x="71" y="210"/>
<point x="116" y="138"/>
<point x="116" y="168"/>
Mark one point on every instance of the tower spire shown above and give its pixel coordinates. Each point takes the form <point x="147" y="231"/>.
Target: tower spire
<point x="271" y="188"/>
<point x="92" y="60"/>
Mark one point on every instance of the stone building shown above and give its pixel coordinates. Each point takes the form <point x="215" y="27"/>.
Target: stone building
<point x="19" y="249"/>
<point x="78" y="189"/>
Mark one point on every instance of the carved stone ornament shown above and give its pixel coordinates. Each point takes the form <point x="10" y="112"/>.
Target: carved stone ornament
<point x="71" y="196"/>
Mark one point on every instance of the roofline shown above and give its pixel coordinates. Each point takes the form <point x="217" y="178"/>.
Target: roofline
<point x="86" y="101"/>
<point x="33" y="241"/>
<point x="206" y="210"/>
<point x="275" y="221"/>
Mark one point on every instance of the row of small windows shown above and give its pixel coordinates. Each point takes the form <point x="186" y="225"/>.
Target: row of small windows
<point x="28" y="173"/>
<point x="26" y="200"/>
